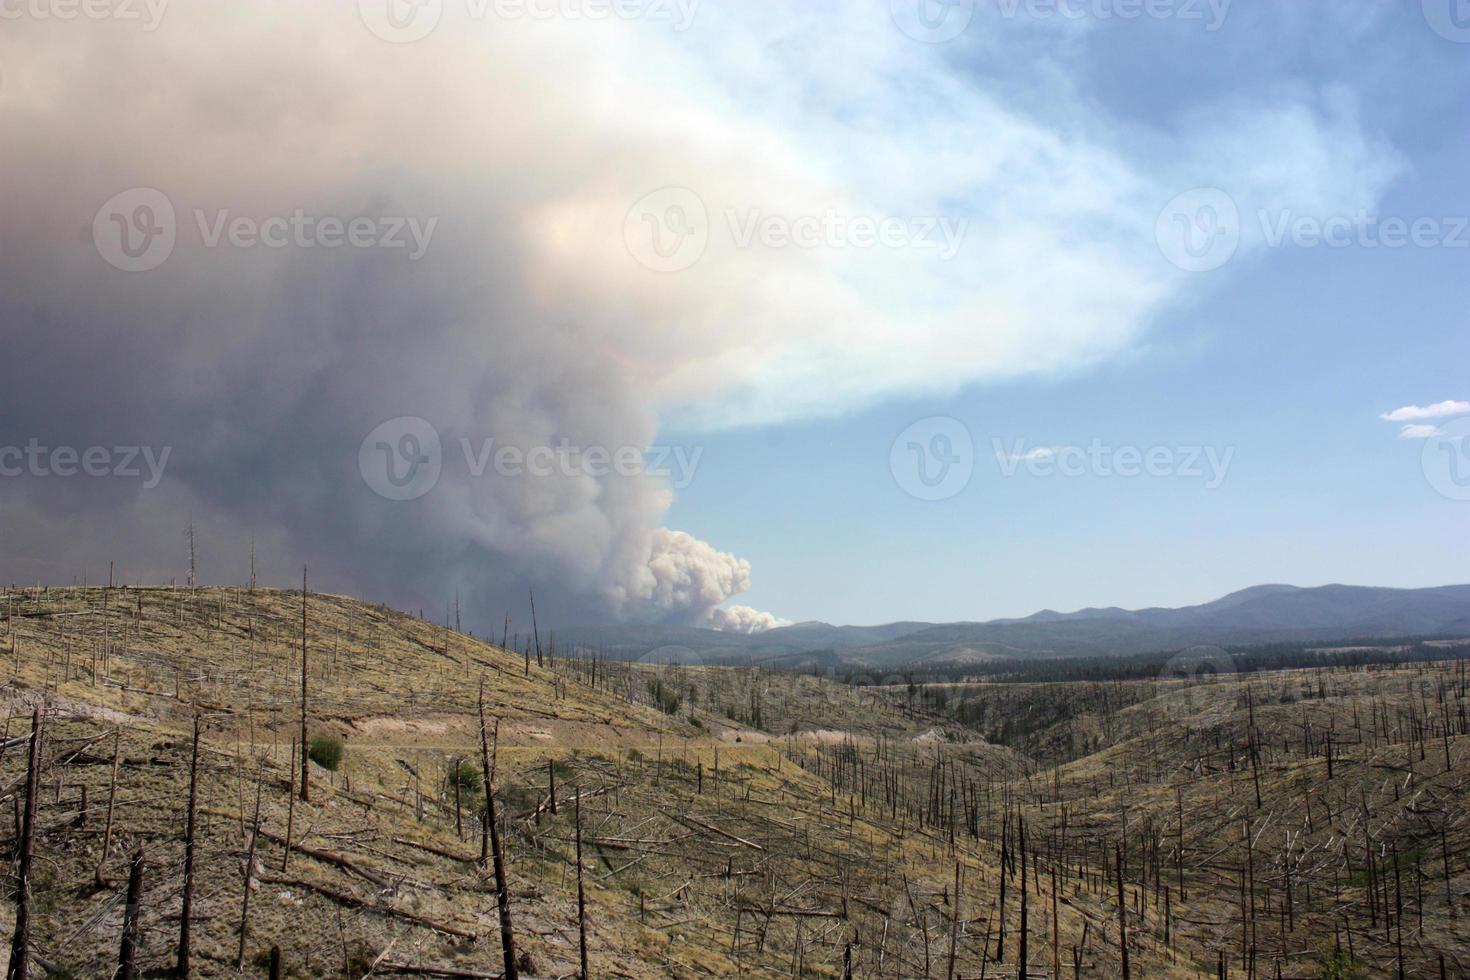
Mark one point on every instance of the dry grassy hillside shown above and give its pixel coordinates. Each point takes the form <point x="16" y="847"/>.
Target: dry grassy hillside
<point x="732" y="822"/>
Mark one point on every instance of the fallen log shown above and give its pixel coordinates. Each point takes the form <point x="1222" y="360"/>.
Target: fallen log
<point x="452" y="973"/>
<point x="329" y="857"/>
<point x="352" y="901"/>
<point x="440" y="851"/>
<point x="686" y="819"/>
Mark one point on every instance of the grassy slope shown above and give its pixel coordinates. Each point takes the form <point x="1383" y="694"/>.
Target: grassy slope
<point x="708" y="849"/>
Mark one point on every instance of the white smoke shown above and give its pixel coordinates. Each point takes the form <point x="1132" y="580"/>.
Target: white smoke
<point x="684" y="573"/>
<point x="743" y="619"/>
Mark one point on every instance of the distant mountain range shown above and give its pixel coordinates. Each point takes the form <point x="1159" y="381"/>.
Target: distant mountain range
<point x="1264" y="614"/>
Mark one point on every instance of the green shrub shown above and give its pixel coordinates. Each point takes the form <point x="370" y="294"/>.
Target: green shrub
<point x="665" y="696"/>
<point x="326" y="751"/>
<point x="466" y="775"/>
<point x="1333" y="963"/>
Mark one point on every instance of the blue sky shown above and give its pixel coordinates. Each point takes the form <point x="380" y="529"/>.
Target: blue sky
<point x="1289" y="355"/>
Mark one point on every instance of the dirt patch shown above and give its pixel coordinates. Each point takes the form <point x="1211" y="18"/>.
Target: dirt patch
<point x="389" y="726"/>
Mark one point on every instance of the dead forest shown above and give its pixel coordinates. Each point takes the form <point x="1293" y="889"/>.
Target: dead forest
<point x="264" y="782"/>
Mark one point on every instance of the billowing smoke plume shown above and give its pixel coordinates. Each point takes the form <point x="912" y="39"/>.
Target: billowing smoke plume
<point x="400" y="326"/>
<point x="743" y="619"/>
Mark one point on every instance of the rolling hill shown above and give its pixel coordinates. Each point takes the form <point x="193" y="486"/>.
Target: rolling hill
<point x="1263" y="614"/>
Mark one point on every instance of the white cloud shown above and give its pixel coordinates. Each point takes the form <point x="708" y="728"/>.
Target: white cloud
<point x="1419" y="432"/>
<point x="1030" y="455"/>
<point x="1439" y="410"/>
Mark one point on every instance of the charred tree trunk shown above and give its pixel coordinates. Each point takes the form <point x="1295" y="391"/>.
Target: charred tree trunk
<point x="20" y="943"/>
<point x="188" y="900"/>
<point x="127" y="967"/>
<point x="249" y="874"/>
<point x="305" y="762"/>
<point x="98" y="875"/>
<point x="581" y="895"/>
<point x="1122" y="916"/>
<point x="497" y="853"/>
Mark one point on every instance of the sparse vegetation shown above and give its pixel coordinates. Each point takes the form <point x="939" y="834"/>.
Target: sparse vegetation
<point x="326" y="751"/>
<point x="1243" y="823"/>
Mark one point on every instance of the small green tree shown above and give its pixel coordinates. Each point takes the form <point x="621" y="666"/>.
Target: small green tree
<point x="1333" y="963"/>
<point x="326" y="751"/>
<point x="465" y="774"/>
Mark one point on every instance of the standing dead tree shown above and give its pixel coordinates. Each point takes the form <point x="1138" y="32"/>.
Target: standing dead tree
<point x="98" y="875"/>
<point x="1122" y="915"/>
<point x="954" y="933"/>
<point x="193" y="580"/>
<point x="187" y="909"/>
<point x="127" y="966"/>
<point x="305" y="761"/>
<point x="249" y="875"/>
<point x="20" y="943"/>
<point x="290" y="810"/>
<point x="535" y="630"/>
<point x="581" y="895"/>
<point x="490" y="837"/>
